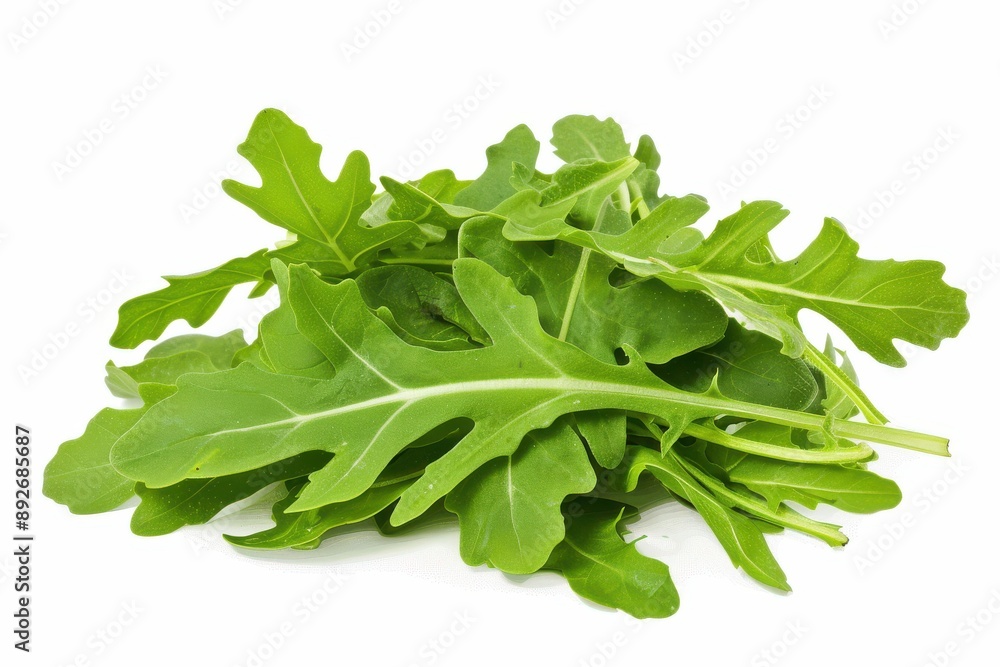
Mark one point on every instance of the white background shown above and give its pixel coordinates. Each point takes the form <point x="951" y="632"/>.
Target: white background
<point x="895" y="596"/>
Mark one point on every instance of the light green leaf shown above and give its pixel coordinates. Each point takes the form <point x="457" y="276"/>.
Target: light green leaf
<point x="586" y="137"/>
<point x="600" y="566"/>
<point x="410" y="203"/>
<point x="748" y="366"/>
<point x="306" y="529"/>
<point x="420" y="307"/>
<point x="738" y="535"/>
<point x="735" y="496"/>
<point x="296" y="195"/>
<point x="494" y="185"/>
<point x="281" y="346"/>
<point x="165" y="362"/>
<point x="873" y="302"/>
<point x="81" y="476"/>
<point x="193" y="298"/>
<point x="577" y="302"/>
<point x="196" y="501"/>
<point x="847" y="488"/>
<point x="386" y="393"/>
<point x="219" y="349"/>
<point x="508" y="509"/>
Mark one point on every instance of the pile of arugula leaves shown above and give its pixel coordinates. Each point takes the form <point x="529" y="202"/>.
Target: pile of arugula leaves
<point x="538" y="354"/>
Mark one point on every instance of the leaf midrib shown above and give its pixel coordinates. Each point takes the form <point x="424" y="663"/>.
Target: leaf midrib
<point x="569" y="386"/>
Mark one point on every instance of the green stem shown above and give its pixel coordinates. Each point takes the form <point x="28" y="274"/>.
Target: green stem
<point x="779" y="452"/>
<point x="783" y="517"/>
<point x="639" y="201"/>
<point x="831" y="370"/>
<point x="574" y="294"/>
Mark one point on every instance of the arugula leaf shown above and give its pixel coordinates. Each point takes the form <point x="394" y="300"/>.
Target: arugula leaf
<point x="307" y="529"/>
<point x="193" y="298"/>
<point x="81" y="476"/>
<point x="746" y="365"/>
<point x="386" y="393"/>
<point x="280" y="347"/>
<point x="494" y="185"/>
<point x="739" y="536"/>
<point x="586" y="137"/>
<point x="600" y="566"/>
<point x="509" y="509"/>
<point x="577" y="302"/>
<point x="847" y="488"/>
<point x="873" y="302"/>
<point x="164" y="363"/>
<point x="411" y="203"/>
<point x="517" y="351"/>
<point x="196" y="501"/>
<point x="296" y="195"/>
<point x="420" y="308"/>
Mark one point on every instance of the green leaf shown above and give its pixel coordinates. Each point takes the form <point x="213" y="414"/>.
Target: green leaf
<point x="165" y="362"/>
<point x="219" y="349"/>
<point x="420" y="307"/>
<point x="577" y="302"/>
<point x="600" y="566"/>
<point x="645" y="182"/>
<point x="81" y="476"/>
<point x="836" y="401"/>
<point x="386" y="393"/>
<point x="873" y="302"/>
<point x="193" y="298"/>
<point x="296" y="195"/>
<point x="586" y="137"/>
<point x="605" y="433"/>
<point x="306" y="529"/>
<point x="494" y="185"/>
<point x="735" y="496"/>
<point x="775" y="441"/>
<point x="196" y="501"/>
<point x="748" y="366"/>
<point x="410" y="203"/>
<point x="508" y="509"/>
<point x="281" y="346"/>
<point x="739" y="536"/>
<point x="850" y="489"/>
<point x="586" y="184"/>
